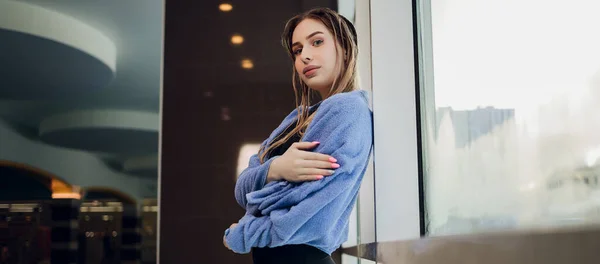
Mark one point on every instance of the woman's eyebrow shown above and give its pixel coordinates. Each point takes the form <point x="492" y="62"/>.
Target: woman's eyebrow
<point x="309" y="36"/>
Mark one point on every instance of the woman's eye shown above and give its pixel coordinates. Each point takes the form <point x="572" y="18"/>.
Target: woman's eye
<point x="297" y="52"/>
<point x="317" y="42"/>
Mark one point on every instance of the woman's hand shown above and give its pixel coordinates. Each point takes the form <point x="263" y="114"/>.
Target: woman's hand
<point x="298" y="164"/>
<point x="224" y="240"/>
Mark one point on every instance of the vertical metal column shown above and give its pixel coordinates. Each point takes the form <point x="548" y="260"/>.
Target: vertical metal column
<point x="65" y="228"/>
<point x="130" y="235"/>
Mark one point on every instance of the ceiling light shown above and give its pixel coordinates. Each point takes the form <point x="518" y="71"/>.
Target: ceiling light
<point x="71" y="195"/>
<point x="225" y="7"/>
<point x="225" y="114"/>
<point x="237" y="39"/>
<point x="247" y="64"/>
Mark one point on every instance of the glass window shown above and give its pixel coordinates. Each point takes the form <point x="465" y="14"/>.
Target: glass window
<point x="79" y="131"/>
<point x="510" y="100"/>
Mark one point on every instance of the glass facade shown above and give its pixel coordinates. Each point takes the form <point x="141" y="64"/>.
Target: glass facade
<point x="79" y="131"/>
<point x="506" y="95"/>
<point x="509" y="93"/>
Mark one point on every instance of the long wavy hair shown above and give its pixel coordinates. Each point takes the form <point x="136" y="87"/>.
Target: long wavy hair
<point x="346" y="80"/>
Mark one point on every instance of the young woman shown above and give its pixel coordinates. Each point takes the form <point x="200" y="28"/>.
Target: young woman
<point x="299" y="189"/>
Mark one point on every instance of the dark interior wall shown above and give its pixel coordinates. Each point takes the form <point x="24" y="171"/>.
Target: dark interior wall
<point x="24" y="185"/>
<point x="199" y="164"/>
<point x="200" y="149"/>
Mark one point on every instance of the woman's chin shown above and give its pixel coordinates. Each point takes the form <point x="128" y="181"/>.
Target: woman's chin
<point x="317" y="86"/>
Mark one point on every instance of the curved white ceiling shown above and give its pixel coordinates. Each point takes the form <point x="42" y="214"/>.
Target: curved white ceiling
<point x="51" y="55"/>
<point x="60" y="58"/>
<point x="103" y="131"/>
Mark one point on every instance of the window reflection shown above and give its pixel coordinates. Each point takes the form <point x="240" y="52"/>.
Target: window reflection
<point x="79" y="120"/>
<point x="246" y="151"/>
<point x="511" y="117"/>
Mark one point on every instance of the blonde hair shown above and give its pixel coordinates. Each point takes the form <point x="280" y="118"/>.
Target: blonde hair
<point x="346" y="81"/>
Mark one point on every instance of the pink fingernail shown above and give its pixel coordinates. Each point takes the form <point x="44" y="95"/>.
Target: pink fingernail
<point x="332" y="160"/>
<point x="319" y="177"/>
<point x="335" y="165"/>
<point x="316" y="142"/>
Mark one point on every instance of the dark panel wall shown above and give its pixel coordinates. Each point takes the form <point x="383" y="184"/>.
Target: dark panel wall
<point x="24" y="185"/>
<point x="202" y="77"/>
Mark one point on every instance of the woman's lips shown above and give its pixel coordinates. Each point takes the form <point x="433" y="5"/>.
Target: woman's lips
<point x="310" y="70"/>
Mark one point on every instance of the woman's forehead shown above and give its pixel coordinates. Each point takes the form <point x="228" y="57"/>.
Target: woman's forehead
<point x="306" y="28"/>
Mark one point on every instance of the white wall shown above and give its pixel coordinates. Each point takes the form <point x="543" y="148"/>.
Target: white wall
<point x="394" y="120"/>
<point x="75" y="167"/>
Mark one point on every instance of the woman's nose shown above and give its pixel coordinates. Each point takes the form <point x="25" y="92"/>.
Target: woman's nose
<point x="306" y="56"/>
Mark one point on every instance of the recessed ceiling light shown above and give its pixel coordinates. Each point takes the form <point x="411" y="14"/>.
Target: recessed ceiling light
<point x="247" y="64"/>
<point x="225" y="114"/>
<point x="237" y="39"/>
<point x="225" y="7"/>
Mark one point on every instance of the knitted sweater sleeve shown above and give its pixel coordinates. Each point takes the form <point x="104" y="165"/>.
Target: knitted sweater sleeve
<point x="294" y="213"/>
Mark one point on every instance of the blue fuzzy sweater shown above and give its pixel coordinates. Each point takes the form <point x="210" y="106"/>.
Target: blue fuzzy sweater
<point x="315" y="213"/>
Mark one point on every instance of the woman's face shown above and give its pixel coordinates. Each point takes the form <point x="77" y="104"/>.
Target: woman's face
<point x="316" y="59"/>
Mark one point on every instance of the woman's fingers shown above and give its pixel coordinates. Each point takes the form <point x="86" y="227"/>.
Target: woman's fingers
<point x="313" y="171"/>
<point x="317" y="164"/>
<point x="307" y="155"/>
<point x="309" y="165"/>
<point x="311" y="177"/>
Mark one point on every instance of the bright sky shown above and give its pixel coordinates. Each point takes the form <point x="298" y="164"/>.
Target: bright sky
<point x="514" y="53"/>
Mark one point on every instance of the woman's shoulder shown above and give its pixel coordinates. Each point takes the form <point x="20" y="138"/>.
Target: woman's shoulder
<point x="356" y="101"/>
